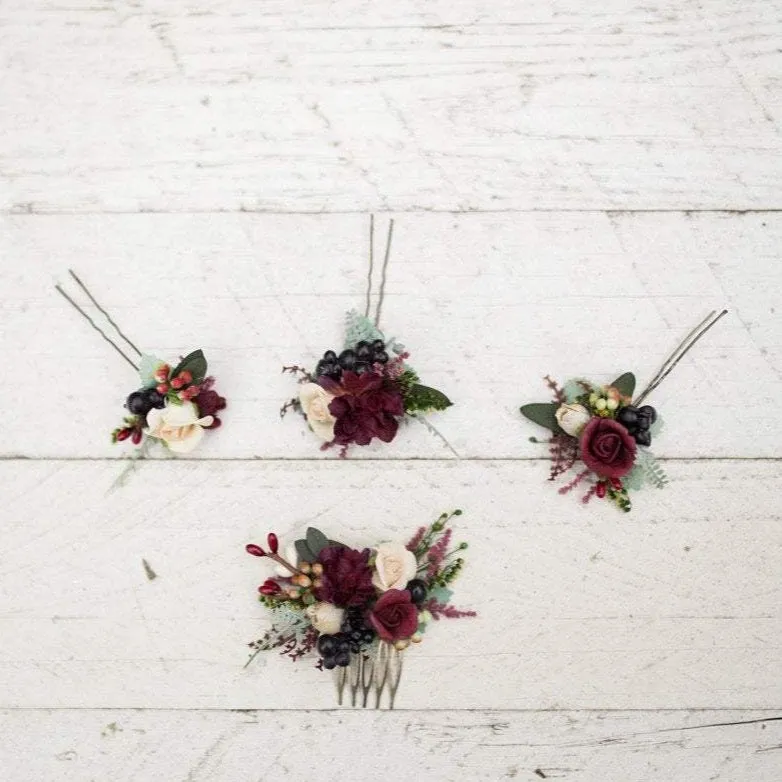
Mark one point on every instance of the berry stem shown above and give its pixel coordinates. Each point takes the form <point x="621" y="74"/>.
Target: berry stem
<point x="287" y="565"/>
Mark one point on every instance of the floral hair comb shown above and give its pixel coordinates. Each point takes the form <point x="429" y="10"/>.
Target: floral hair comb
<point x="608" y="430"/>
<point x="363" y="391"/>
<point x="173" y="405"/>
<point x="358" y="610"/>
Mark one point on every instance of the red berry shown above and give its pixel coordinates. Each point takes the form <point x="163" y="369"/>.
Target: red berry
<point x="616" y="483"/>
<point x="162" y="388"/>
<point x="123" y="434"/>
<point x="274" y="544"/>
<point x="177" y="382"/>
<point x="601" y="489"/>
<point x="136" y="436"/>
<point x="256" y="551"/>
<point x="269" y="587"/>
<point x="194" y="391"/>
<point x="185" y="376"/>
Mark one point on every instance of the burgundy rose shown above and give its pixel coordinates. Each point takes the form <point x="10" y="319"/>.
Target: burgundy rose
<point x="366" y="406"/>
<point x="394" y="616"/>
<point x="607" y="448"/>
<point x="347" y="577"/>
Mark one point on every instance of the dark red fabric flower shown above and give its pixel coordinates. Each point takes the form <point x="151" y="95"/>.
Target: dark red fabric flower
<point x="607" y="448"/>
<point x="209" y="402"/>
<point x="367" y="406"/>
<point x="346" y="578"/>
<point x="394" y="616"/>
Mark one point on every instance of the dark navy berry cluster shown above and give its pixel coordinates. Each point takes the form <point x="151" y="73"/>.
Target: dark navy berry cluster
<point x="638" y="421"/>
<point x="356" y="635"/>
<point x="359" y="360"/>
<point x="141" y="402"/>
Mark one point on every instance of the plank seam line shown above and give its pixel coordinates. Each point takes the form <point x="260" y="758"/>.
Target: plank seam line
<point x="28" y="210"/>
<point x="370" y="460"/>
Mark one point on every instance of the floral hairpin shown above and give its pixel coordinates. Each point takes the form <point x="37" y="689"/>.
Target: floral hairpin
<point x="608" y="430"/>
<point x="358" y="610"/>
<point x="173" y="405"/>
<point x="363" y="391"/>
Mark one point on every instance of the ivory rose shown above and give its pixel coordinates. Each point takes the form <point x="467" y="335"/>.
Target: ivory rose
<point x="178" y="426"/>
<point x="572" y="418"/>
<point x="394" y="566"/>
<point x="326" y="618"/>
<point x="315" y="402"/>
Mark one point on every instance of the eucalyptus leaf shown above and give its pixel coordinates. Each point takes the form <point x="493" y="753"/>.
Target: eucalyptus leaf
<point x="316" y="541"/>
<point x="542" y="413"/>
<point x="147" y="366"/>
<point x="195" y="364"/>
<point x="303" y="552"/>
<point x="441" y="594"/>
<point x="625" y="384"/>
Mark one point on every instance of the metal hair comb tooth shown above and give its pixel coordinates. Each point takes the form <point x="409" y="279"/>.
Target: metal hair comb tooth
<point x="380" y="671"/>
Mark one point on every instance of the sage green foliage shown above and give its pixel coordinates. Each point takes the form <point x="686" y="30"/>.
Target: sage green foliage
<point x="652" y="470"/>
<point x="147" y="367"/>
<point x="359" y="328"/>
<point x="423" y="399"/>
<point x="195" y="364"/>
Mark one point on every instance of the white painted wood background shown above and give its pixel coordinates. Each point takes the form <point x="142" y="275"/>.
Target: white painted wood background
<point x="574" y="185"/>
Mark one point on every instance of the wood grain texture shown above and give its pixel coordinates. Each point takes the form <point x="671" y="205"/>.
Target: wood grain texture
<point x="218" y="746"/>
<point x="487" y="304"/>
<point x="673" y="606"/>
<point x="455" y="106"/>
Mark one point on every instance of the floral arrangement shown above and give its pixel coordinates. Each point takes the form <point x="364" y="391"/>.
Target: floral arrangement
<point x="172" y="406"/>
<point x="607" y="430"/>
<point x="362" y="392"/>
<point x="358" y="610"/>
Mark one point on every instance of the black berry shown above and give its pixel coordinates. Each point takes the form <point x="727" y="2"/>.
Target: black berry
<point x="138" y="404"/>
<point x="417" y="590"/>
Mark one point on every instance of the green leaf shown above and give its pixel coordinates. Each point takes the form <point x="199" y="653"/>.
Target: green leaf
<point x="147" y="367"/>
<point x="316" y="541"/>
<point x="542" y="413"/>
<point x="422" y="399"/>
<point x="195" y="364"/>
<point x="625" y="384"/>
<point x="303" y="551"/>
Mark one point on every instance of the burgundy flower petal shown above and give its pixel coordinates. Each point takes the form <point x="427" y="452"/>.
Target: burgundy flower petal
<point x="607" y="448"/>
<point x="394" y="616"/>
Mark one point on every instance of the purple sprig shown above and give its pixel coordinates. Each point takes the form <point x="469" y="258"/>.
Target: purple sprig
<point x="438" y="610"/>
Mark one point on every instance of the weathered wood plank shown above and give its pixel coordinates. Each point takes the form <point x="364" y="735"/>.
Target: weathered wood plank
<point x="483" y="105"/>
<point x="487" y="304"/>
<point x="219" y="746"/>
<point x="672" y="606"/>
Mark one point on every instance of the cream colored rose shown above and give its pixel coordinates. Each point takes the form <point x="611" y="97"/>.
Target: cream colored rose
<point x="178" y="426"/>
<point x="572" y="418"/>
<point x="315" y="404"/>
<point x="394" y="566"/>
<point x="326" y="618"/>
